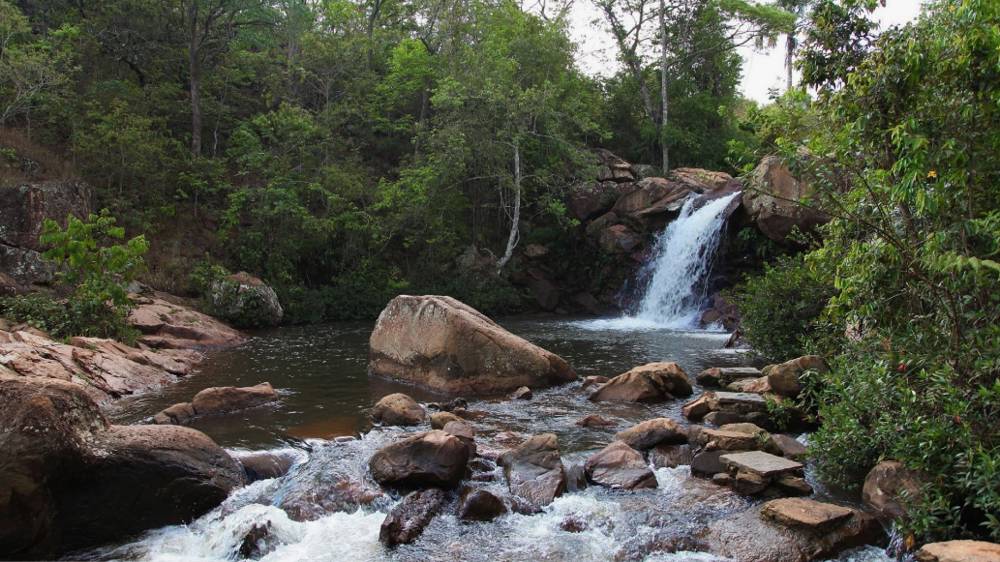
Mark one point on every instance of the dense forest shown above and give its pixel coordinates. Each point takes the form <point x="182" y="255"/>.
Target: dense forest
<point x="347" y="151"/>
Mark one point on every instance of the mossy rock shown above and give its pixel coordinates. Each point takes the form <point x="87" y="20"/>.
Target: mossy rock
<point x="245" y="302"/>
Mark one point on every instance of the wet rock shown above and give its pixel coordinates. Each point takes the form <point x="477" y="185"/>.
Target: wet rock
<point x="670" y="456"/>
<point x="651" y="433"/>
<point x="70" y="480"/>
<point x="433" y="458"/>
<point x="783" y="378"/>
<point x="733" y="437"/>
<point x="594" y="380"/>
<point x="407" y="521"/>
<point x="316" y="496"/>
<point x="654" y="382"/>
<point x="734" y="403"/>
<point x="398" y="409"/>
<point x="168" y="325"/>
<point x="589" y="303"/>
<point x="727" y="418"/>
<point x="885" y="486"/>
<point x="262" y="465"/>
<point x="722" y="376"/>
<point x="759" y="385"/>
<point x="789" y="447"/>
<point x="246" y="301"/>
<point x="178" y="414"/>
<point x="805" y="513"/>
<point x="722" y="479"/>
<point x="480" y="505"/>
<point x="773" y="202"/>
<point x="618" y="239"/>
<point x="619" y="466"/>
<point x="749" y="483"/>
<point x="257" y="543"/>
<point x="224" y="399"/>
<point x="535" y="471"/>
<point x="594" y="420"/>
<point x="959" y="551"/>
<point x="720" y="312"/>
<point x="440" y="419"/>
<point x="448" y="346"/>
<point x="792" y="485"/>
<point x="464" y="431"/>
<point x="751" y="537"/>
<point x="708" y="463"/>
<point x="576" y="477"/>
<point x="573" y="524"/>
<point x="522" y="393"/>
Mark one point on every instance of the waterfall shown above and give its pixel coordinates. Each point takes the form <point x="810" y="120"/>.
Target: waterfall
<point x="678" y="269"/>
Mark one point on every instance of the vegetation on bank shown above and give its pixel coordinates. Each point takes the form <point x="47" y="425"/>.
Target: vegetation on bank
<point x="902" y="293"/>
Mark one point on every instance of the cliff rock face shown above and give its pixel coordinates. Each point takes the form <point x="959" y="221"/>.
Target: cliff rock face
<point x="23" y="210"/>
<point x="774" y="201"/>
<point x="445" y="345"/>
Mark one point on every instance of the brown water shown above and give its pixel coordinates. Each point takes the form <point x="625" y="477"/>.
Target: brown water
<point x="320" y="372"/>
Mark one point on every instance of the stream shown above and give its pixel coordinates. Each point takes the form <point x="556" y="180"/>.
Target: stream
<point x="320" y="372"/>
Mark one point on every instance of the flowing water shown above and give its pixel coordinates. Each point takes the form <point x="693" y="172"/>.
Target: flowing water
<point x="320" y="373"/>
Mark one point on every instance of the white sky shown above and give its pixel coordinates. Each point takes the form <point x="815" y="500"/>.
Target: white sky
<point x="761" y="70"/>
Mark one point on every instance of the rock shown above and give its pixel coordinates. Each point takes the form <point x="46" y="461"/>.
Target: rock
<point x="721" y="312"/>
<point x="522" y="393"/>
<point x="751" y="537"/>
<point x="460" y="428"/>
<point x="544" y="290"/>
<point x="805" y="513"/>
<point x="612" y="167"/>
<point x="398" y="409"/>
<point x="959" y="551"/>
<point x="773" y="202"/>
<point x="433" y="458"/>
<point x="480" y="505"/>
<point x="789" y="447"/>
<point x="722" y="376"/>
<point x="591" y="199"/>
<point x="225" y="399"/>
<point x="700" y="180"/>
<point x="651" y="197"/>
<point x="407" y="521"/>
<point x="535" y="471"/>
<point x="23" y="211"/>
<point x="178" y="414"/>
<point x="670" y="456"/>
<point x="593" y="381"/>
<point x="262" y="465"/>
<point x="792" y="485"/>
<point x="535" y="251"/>
<point x="749" y="483"/>
<point x="594" y="420"/>
<point x="654" y="382"/>
<point x="722" y="479"/>
<point x="760" y="385"/>
<point x="167" y="325"/>
<point x="441" y="419"/>
<point x="619" y="466"/>
<point x="443" y="344"/>
<point x="783" y="379"/>
<point x="587" y="302"/>
<point x="70" y="480"/>
<point x="257" y="543"/>
<point x="246" y="301"/>
<point x="707" y="463"/>
<point x="885" y="487"/>
<point x="734" y="437"/>
<point x="619" y="239"/>
<point x="573" y="524"/>
<point x="651" y="433"/>
<point x="739" y="403"/>
<point x="642" y="171"/>
<point x="761" y="463"/>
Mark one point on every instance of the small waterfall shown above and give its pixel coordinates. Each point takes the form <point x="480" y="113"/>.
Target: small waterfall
<point x="682" y="260"/>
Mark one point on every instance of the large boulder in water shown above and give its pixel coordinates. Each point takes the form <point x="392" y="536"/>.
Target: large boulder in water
<point x="653" y="382"/>
<point x="443" y="344"/>
<point x="246" y="301"/>
<point x="407" y="521"/>
<point x="619" y="466"/>
<point x="535" y="471"/>
<point x="399" y="409"/>
<point x="70" y="480"/>
<point x="433" y="458"/>
<point x="774" y="201"/>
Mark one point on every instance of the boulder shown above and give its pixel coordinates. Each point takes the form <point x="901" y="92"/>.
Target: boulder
<point x="594" y="420"/>
<point x="783" y="379"/>
<point x="774" y="201"/>
<point x="591" y="199"/>
<point x="650" y="198"/>
<point x="432" y="458"/>
<point x="535" y="251"/>
<point x="723" y="376"/>
<point x="522" y="393"/>
<point x="257" y="542"/>
<point x="751" y="536"/>
<point x="700" y="180"/>
<point x="70" y="480"/>
<point x="733" y="437"/>
<point x="654" y="382"/>
<point x="721" y="312"/>
<point x="619" y="239"/>
<point x="410" y="517"/>
<point x="480" y="505"/>
<point x="542" y="288"/>
<point x="671" y="456"/>
<point x="262" y="465"/>
<point x="619" y="466"/>
<point x="534" y="470"/>
<point x="651" y="433"/>
<point x="593" y="380"/>
<point x="398" y="409"/>
<point x="789" y="447"/>
<point x="886" y="486"/>
<point x="441" y="419"/>
<point x="169" y="325"/>
<point x="805" y="513"/>
<point x="218" y="400"/>
<point x="959" y="551"/>
<point x="440" y="343"/>
<point x="246" y="301"/>
<point x="178" y="414"/>
<point x="612" y="167"/>
<point x="761" y="463"/>
<point x="739" y="404"/>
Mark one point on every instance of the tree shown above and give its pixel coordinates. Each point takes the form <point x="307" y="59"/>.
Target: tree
<point x="798" y="8"/>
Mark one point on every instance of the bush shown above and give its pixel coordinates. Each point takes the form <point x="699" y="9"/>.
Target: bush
<point x="781" y="308"/>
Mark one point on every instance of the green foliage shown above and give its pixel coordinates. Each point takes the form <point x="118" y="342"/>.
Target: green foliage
<point x="782" y="308"/>
<point x="97" y="270"/>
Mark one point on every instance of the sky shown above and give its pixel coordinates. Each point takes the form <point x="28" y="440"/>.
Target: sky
<point x="761" y="70"/>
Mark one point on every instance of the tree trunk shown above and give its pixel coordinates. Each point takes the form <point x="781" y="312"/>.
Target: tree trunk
<point x="789" y="54"/>
<point x="194" y="70"/>
<point x="512" y="238"/>
<point x="664" y="100"/>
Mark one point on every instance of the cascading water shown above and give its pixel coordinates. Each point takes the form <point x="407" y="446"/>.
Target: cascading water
<point x="678" y="270"/>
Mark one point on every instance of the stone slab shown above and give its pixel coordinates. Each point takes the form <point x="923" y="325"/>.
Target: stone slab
<point x="760" y="462"/>
<point x="805" y="513"/>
